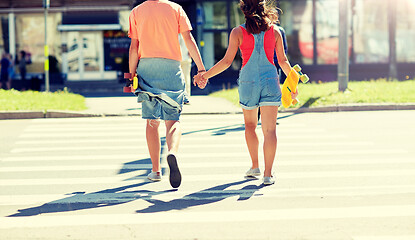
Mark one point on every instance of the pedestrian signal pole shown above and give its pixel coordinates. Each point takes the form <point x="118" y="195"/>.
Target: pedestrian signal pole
<point x="343" y="60"/>
<point x="46" y="4"/>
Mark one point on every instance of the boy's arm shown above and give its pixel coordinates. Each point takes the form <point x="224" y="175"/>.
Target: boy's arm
<point x="191" y="46"/>
<point x="133" y="56"/>
<point x="282" y="58"/>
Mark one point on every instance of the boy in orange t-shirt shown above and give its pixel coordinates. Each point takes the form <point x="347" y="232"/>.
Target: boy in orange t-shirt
<point x="155" y="55"/>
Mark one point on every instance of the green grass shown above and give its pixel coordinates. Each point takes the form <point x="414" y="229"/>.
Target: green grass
<point x="325" y="94"/>
<point x="40" y="101"/>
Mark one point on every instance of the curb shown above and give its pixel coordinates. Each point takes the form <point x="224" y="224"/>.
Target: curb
<point x="4" y="115"/>
<point x="350" y="108"/>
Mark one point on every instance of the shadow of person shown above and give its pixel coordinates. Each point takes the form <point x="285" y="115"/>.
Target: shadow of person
<point x="107" y="197"/>
<point x="80" y="200"/>
<point x="206" y="196"/>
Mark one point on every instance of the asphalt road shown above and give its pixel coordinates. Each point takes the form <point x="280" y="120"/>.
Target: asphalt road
<point x="343" y="175"/>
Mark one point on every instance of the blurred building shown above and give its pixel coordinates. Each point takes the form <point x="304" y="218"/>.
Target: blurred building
<point x="88" y="37"/>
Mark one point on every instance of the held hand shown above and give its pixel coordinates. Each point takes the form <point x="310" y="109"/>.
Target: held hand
<point x="202" y="84"/>
<point x="200" y="81"/>
<point x="196" y="79"/>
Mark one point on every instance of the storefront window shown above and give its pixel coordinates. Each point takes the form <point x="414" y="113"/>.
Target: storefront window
<point x="215" y="15"/>
<point x="30" y="37"/>
<point x="327" y="19"/>
<point x="296" y="19"/>
<point x="370" y="32"/>
<point x="237" y="17"/>
<point x="405" y="32"/>
<point x="215" y="47"/>
<point x="4" y="32"/>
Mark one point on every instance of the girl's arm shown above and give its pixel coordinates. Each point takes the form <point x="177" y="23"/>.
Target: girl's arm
<point x="234" y="41"/>
<point x="133" y="56"/>
<point x="191" y="46"/>
<point x="279" y="47"/>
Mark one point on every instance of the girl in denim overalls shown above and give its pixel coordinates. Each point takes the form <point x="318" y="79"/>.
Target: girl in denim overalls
<point x="258" y="79"/>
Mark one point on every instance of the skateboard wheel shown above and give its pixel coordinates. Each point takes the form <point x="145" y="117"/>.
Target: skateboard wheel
<point x="135" y="82"/>
<point x="297" y="68"/>
<point x="304" y="78"/>
<point x="295" y="101"/>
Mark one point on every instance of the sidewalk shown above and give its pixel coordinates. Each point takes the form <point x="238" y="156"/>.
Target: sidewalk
<point x="199" y="104"/>
<point x="116" y="106"/>
<point x="127" y="106"/>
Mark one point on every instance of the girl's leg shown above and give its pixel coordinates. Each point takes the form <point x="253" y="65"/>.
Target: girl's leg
<point x="153" y="143"/>
<point x="251" y="122"/>
<point x="269" y="123"/>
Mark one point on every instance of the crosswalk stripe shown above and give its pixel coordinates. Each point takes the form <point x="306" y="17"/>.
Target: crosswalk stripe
<point x="126" y="133"/>
<point x="184" y="146"/>
<point x="135" y="127"/>
<point x="222" y="177"/>
<point x="211" y="216"/>
<point x="275" y="192"/>
<point x="134" y="139"/>
<point x="210" y="164"/>
<point x="241" y="153"/>
<point x="388" y="237"/>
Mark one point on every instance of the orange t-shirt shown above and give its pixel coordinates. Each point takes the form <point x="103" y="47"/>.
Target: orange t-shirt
<point x="156" y="25"/>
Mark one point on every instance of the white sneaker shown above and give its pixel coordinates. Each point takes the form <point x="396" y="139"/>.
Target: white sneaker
<point x="269" y="180"/>
<point x="154" y="176"/>
<point x="253" y="172"/>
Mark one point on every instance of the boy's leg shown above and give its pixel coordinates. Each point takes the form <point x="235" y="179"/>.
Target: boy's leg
<point x="153" y="143"/>
<point x="251" y="122"/>
<point x="268" y="123"/>
<point x="173" y="136"/>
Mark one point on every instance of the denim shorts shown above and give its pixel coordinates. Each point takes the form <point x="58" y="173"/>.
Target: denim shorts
<point x="259" y="87"/>
<point x="161" y="76"/>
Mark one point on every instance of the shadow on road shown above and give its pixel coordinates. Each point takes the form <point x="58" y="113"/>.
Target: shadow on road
<point x="120" y="195"/>
<point x="116" y="196"/>
<point x="207" y="196"/>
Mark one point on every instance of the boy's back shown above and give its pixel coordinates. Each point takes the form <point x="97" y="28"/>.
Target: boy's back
<point x="156" y="24"/>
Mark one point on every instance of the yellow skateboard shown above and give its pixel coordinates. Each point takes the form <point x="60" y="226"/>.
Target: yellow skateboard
<point x="131" y="83"/>
<point x="290" y="85"/>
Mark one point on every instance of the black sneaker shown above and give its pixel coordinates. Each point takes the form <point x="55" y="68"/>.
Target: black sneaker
<point x="175" y="176"/>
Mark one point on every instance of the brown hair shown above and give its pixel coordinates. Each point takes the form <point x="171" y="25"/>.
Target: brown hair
<point x="259" y="15"/>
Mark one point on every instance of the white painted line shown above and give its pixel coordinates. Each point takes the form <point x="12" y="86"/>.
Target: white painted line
<point x="241" y="153"/>
<point x="183" y="146"/>
<point x="196" y="125"/>
<point x="274" y="192"/>
<point x="175" y="217"/>
<point x="185" y="137"/>
<point x="127" y="133"/>
<point x="209" y="164"/>
<point x="222" y="177"/>
<point x="389" y="237"/>
<point x="79" y="168"/>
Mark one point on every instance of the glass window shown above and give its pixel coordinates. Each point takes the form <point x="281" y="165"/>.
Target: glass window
<point x="405" y="32"/>
<point x="237" y="17"/>
<point x="30" y="37"/>
<point x="215" y="47"/>
<point x="370" y="32"/>
<point x="4" y="32"/>
<point x="215" y="15"/>
<point x="327" y="19"/>
<point x="296" y="19"/>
